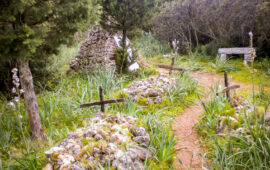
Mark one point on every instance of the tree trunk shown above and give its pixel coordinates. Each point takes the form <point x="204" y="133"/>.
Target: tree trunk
<point x="30" y="99"/>
<point x="124" y="38"/>
<point x="190" y="41"/>
<point x="124" y="50"/>
<point x="197" y="40"/>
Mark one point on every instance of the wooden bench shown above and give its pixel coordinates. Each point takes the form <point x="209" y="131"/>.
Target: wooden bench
<point x="239" y="50"/>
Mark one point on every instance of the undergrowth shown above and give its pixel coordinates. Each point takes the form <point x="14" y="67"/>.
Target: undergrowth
<point x="60" y="114"/>
<point x="244" y="143"/>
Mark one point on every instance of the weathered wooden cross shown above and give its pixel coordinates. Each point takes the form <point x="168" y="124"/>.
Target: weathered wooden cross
<point x="102" y="102"/>
<point x="171" y="67"/>
<point x="227" y="87"/>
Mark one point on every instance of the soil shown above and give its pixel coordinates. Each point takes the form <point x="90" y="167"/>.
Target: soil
<point x="190" y="151"/>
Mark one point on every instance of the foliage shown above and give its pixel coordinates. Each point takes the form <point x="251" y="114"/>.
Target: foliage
<point x="123" y="15"/>
<point x="223" y="23"/>
<point x="35" y="29"/>
<point x="183" y="91"/>
<point x="150" y="47"/>
<point x="245" y="149"/>
<point x="60" y="114"/>
<point x="221" y="66"/>
<point x="122" y="63"/>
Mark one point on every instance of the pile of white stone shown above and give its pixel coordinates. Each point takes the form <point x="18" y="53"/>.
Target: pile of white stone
<point x="235" y="122"/>
<point x="107" y="141"/>
<point x="151" y="88"/>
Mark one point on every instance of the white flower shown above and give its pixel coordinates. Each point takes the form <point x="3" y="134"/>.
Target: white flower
<point x="11" y="104"/>
<point x="16" y="99"/>
<point x="20" y="116"/>
<point x="17" y="80"/>
<point x="21" y="91"/>
<point x="14" y="70"/>
<point x="250" y="33"/>
<point x="13" y="90"/>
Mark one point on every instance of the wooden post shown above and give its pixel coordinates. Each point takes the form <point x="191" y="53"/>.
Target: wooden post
<point x="102" y="105"/>
<point x="102" y="102"/>
<point x="172" y="64"/>
<point x="226" y="81"/>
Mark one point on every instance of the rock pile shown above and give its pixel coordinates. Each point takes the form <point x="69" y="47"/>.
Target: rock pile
<point x="107" y="141"/>
<point x="97" y="50"/>
<point x="151" y="88"/>
<point x="234" y="121"/>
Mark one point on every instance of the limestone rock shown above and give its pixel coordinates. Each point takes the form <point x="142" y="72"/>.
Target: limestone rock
<point x="152" y="87"/>
<point x="144" y="140"/>
<point x="53" y="150"/>
<point x="143" y="153"/>
<point x="48" y="167"/>
<point x="133" y="67"/>
<point x="140" y="131"/>
<point x="101" y="142"/>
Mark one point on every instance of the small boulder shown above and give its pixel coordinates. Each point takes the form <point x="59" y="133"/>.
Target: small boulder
<point x="140" y="131"/>
<point x="48" y="167"/>
<point x="90" y="133"/>
<point x="144" y="140"/>
<point x="143" y="153"/>
<point x="157" y="100"/>
<point x="98" y="137"/>
<point x="58" y="150"/>
<point x="153" y="93"/>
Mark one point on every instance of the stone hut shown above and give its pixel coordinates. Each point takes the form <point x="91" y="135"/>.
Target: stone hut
<point x="96" y="50"/>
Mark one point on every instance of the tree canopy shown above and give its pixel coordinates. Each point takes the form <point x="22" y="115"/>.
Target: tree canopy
<point x="33" y="30"/>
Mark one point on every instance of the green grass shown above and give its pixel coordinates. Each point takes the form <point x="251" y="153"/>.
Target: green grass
<point x="150" y="47"/>
<point x="235" y="67"/>
<point x="60" y="113"/>
<point x="230" y="149"/>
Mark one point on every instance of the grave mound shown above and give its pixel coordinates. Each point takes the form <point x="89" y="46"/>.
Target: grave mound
<point x="151" y="88"/>
<point x="107" y="140"/>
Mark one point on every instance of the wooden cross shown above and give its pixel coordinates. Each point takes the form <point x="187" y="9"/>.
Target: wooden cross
<point x="102" y="102"/>
<point x="227" y="87"/>
<point x="171" y="67"/>
<point x="175" y="47"/>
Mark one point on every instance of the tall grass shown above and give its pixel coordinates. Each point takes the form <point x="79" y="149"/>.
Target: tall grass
<point x="221" y="66"/>
<point x="247" y="149"/>
<point x="184" y="91"/>
<point x="60" y="114"/>
<point x="59" y="111"/>
<point x="148" y="46"/>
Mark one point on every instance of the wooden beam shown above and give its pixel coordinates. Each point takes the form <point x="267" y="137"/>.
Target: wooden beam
<point x="169" y="67"/>
<point x="226" y="82"/>
<point x="104" y="102"/>
<point x="102" y="105"/>
<point x="172" y="64"/>
<point x="228" y="89"/>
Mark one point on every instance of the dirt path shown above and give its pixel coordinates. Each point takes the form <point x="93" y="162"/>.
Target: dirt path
<point x="189" y="146"/>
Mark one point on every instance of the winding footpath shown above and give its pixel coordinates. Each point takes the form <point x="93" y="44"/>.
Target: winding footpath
<point x="189" y="149"/>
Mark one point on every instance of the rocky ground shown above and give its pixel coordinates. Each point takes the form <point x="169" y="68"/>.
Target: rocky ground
<point x="107" y="141"/>
<point x="151" y="88"/>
